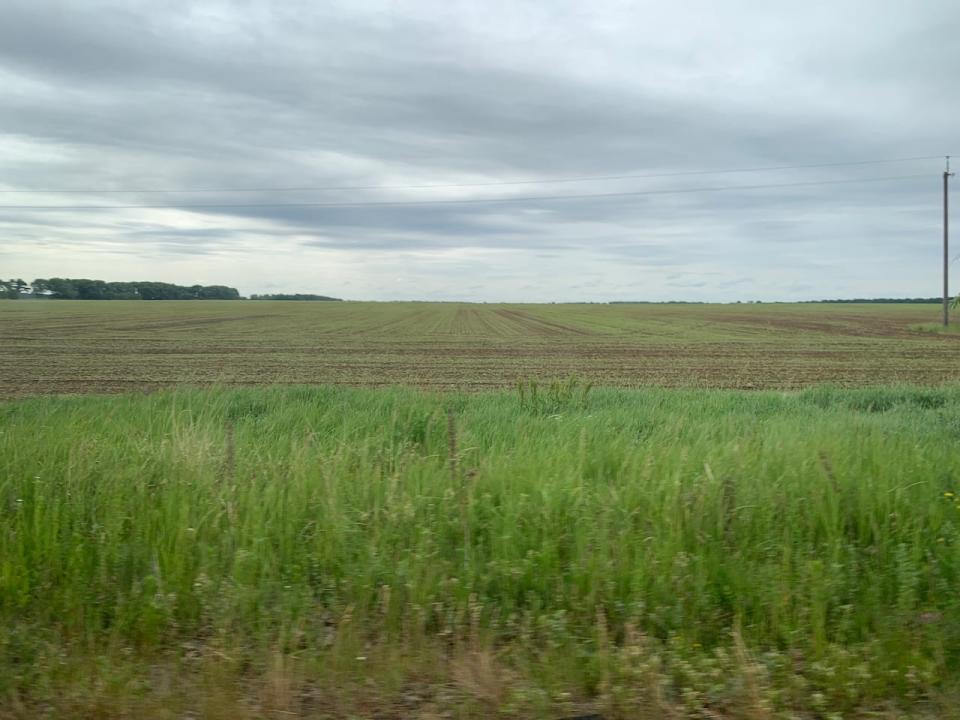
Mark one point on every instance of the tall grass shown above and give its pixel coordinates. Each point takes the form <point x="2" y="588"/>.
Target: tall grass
<point x="641" y="552"/>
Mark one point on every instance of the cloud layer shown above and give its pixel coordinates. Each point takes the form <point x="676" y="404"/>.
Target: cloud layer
<point x="204" y="96"/>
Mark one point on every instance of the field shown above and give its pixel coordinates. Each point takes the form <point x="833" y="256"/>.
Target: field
<point x="116" y="346"/>
<point x="483" y="542"/>
<point x="335" y="552"/>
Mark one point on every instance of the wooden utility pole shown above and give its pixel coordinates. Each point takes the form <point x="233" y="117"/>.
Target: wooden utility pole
<point x="946" y="244"/>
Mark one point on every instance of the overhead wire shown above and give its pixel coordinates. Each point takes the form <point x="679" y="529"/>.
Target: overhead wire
<point x="541" y="181"/>
<point x="464" y="201"/>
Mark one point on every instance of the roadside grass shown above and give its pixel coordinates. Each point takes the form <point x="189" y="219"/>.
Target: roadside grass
<point x="333" y="552"/>
<point x="937" y="328"/>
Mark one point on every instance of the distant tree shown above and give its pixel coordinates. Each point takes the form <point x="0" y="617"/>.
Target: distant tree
<point x="123" y="291"/>
<point x="293" y="296"/>
<point x="884" y="301"/>
<point x="13" y="288"/>
<point x="84" y="289"/>
<point x="92" y="289"/>
<point x="217" y="292"/>
<point x="61" y="288"/>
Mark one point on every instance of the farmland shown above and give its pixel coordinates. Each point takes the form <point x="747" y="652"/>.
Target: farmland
<point x="271" y="532"/>
<point x="117" y="346"/>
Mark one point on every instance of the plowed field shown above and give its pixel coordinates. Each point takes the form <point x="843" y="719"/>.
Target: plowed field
<point x="83" y="346"/>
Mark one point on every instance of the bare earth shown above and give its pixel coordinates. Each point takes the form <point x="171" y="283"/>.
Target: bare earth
<point x="115" y="346"/>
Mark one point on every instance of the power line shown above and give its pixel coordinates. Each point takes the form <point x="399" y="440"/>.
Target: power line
<point x="464" y="201"/>
<point x="548" y="181"/>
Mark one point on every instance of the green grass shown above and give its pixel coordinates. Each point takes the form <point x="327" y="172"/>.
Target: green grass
<point x="334" y="552"/>
<point x="938" y="328"/>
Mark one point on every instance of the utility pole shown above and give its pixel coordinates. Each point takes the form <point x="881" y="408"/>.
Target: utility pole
<point x="946" y="244"/>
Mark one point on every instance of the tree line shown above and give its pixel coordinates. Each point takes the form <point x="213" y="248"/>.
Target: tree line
<point x="12" y="289"/>
<point x="84" y="289"/>
<point x="292" y="296"/>
<point x="885" y="301"/>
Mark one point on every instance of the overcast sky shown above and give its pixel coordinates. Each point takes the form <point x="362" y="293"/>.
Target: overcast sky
<point x="239" y="95"/>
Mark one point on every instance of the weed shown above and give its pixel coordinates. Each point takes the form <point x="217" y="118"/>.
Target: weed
<point x="554" y="397"/>
<point x="345" y="552"/>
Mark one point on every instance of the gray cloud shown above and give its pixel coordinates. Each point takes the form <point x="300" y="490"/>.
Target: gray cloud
<point x="213" y="95"/>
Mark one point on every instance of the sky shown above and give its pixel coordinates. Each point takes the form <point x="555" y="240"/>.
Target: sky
<point x="315" y="135"/>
